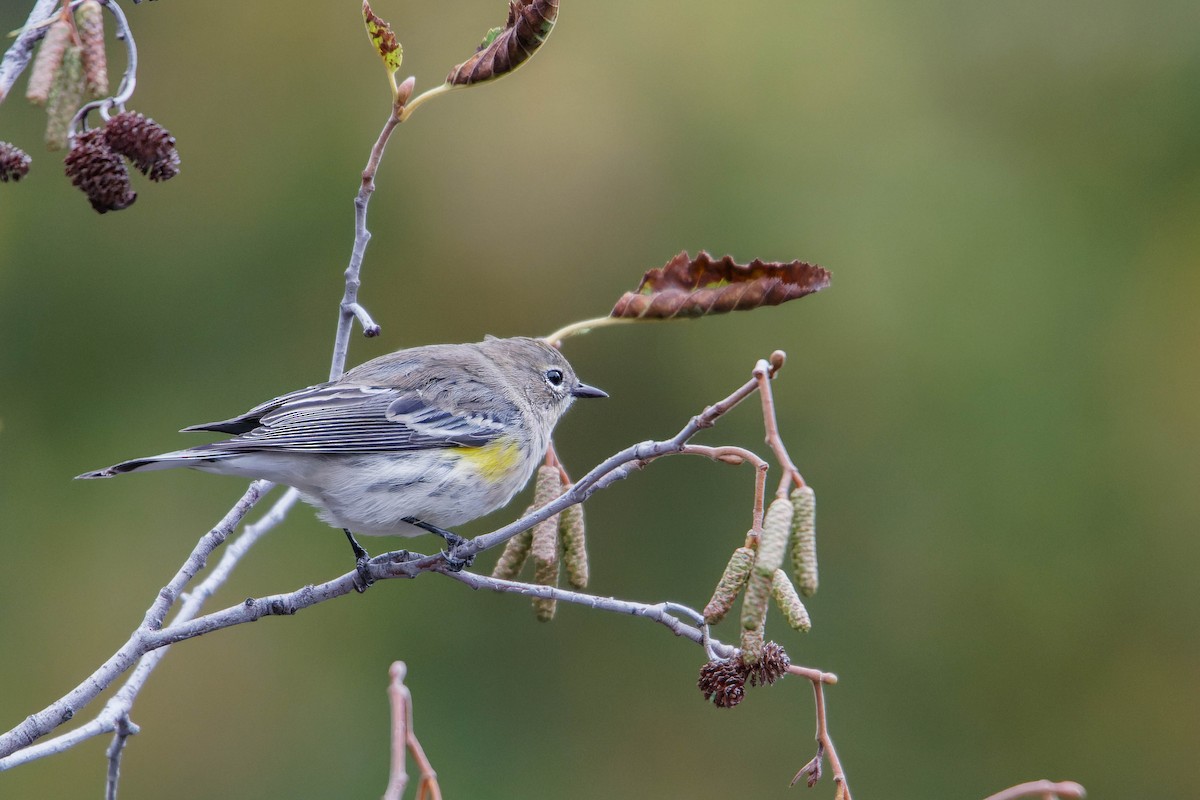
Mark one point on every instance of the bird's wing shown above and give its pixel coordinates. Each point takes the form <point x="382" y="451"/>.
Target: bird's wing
<point x="252" y="418"/>
<point x="345" y="418"/>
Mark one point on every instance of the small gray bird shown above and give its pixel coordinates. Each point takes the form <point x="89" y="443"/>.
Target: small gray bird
<point x="415" y="441"/>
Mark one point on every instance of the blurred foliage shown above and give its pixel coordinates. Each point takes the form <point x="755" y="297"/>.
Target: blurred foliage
<point x="996" y="401"/>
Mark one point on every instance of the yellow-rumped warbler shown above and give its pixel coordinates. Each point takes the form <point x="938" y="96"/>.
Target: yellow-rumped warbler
<point x="417" y="440"/>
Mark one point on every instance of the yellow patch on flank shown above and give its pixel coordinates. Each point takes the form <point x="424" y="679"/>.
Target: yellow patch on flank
<point x="495" y="459"/>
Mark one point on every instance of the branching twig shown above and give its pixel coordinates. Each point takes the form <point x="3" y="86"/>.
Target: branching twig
<point x="404" y="741"/>
<point x="739" y="455"/>
<point x="763" y="373"/>
<point x="350" y="309"/>
<point x="17" y="57"/>
<point x="128" y="80"/>
<point x="124" y="729"/>
<point x="1047" y="790"/>
<point x="23" y="736"/>
<point x="825" y="748"/>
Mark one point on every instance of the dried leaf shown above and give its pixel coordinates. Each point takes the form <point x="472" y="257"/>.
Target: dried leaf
<point x="696" y="287"/>
<point x="504" y="49"/>
<point x="383" y="38"/>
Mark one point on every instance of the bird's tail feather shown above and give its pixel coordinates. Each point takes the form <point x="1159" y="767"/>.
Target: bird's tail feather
<point x="179" y="458"/>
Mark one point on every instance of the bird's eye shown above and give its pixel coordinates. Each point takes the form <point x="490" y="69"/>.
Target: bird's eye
<point x="554" y="376"/>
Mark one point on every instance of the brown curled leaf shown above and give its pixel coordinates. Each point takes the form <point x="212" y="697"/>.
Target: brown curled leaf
<point x="688" y="287"/>
<point x="504" y="49"/>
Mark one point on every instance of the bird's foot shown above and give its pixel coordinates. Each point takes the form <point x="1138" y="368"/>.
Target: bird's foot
<point x="361" y="561"/>
<point x="453" y="541"/>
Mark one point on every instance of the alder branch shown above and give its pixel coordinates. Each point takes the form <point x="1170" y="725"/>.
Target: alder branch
<point x="124" y="730"/>
<point x="152" y="636"/>
<point x="763" y="372"/>
<point x="17" y="745"/>
<point x="17" y="57"/>
<point x="1043" y="789"/>
<point x="404" y="741"/>
<point x="825" y="748"/>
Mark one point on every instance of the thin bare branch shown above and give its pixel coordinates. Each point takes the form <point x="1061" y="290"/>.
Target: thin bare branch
<point x="825" y="749"/>
<point x="1042" y="788"/>
<point x="404" y="741"/>
<point x="729" y="454"/>
<point x="124" y="729"/>
<point x="42" y="722"/>
<point x="17" y="57"/>
<point x="350" y="309"/>
<point x="764" y="371"/>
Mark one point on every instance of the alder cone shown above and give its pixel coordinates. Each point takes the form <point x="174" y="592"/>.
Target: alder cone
<point x="529" y="23"/>
<point x="687" y="287"/>
<point x="147" y="144"/>
<point x="100" y="173"/>
<point x="14" y="162"/>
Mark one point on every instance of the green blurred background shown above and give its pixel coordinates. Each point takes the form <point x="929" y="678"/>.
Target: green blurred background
<point x="996" y="401"/>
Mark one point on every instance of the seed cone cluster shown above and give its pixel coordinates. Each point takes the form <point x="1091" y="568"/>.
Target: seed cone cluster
<point x="99" y="173"/>
<point x="14" y="162"/>
<point x="95" y="164"/>
<point x="147" y="144"/>
<point x="724" y="680"/>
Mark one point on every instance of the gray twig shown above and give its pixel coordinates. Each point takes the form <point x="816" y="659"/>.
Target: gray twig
<point x="124" y="730"/>
<point x="17" y="57"/>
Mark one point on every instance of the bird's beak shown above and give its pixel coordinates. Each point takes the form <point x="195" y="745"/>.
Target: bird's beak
<point x="583" y="390"/>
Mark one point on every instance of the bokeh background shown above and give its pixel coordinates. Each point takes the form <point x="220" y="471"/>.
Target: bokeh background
<point x="996" y="401"/>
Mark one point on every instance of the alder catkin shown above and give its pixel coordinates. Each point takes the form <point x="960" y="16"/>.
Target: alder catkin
<point x="754" y="614"/>
<point x="572" y="532"/>
<point x="777" y="526"/>
<point x="544" y="544"/>
<point x="516" y="551"/>
<point x="789" y="602"/>
<point x="732" y="580"/>
<point x="804" y="539"/>
<point x="89" y="21"/>
<point x="66" y="96"/>
<point x="47" y="62"/>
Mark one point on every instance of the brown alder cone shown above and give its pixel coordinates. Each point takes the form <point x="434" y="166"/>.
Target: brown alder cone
<point x="47" y="62"/>
<point x="147" y="144"/>
<point x="14" y="162"/>
<point x="771" y="665"/>
<point x="723" y="681"/>
<point x="99" y="172"/>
